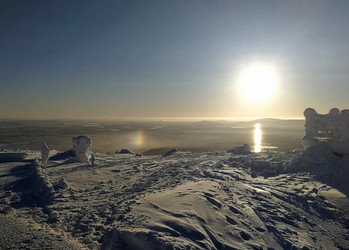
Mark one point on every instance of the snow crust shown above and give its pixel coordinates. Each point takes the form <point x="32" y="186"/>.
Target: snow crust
<point x="216" y="200"/>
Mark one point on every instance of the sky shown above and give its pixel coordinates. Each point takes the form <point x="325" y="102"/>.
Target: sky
<point x="169" y="59"/>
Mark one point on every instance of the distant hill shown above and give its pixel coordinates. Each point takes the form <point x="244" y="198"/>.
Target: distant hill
<point x="266" y="122"/>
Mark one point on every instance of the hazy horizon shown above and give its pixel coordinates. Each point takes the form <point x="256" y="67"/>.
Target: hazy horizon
<point x="130" y="119"/>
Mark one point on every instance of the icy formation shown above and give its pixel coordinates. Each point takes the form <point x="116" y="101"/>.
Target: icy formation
<point x="45" y="153"/>
<point x="332" y="128"/>
<point x="82" y="147"/>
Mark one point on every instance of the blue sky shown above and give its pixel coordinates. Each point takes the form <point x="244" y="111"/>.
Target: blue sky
<point x="142" y="59"/>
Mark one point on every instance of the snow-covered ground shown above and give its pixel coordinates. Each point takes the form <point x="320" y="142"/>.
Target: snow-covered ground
<point x="218" y="200"/>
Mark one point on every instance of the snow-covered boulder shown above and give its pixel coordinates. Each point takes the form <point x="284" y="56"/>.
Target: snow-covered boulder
<point x="82" y="147"/>
<point x="60" y="184"/>
<point x="242" y="150"/>
<point x="124" y="151"/>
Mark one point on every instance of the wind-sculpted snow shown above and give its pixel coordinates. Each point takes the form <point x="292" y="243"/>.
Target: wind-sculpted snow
<point x="187" y="201"/>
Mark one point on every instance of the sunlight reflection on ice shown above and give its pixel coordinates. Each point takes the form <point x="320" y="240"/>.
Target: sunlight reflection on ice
<point x="257" y="138"/>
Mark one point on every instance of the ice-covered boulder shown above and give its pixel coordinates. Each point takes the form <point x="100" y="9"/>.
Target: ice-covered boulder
<point x="82" y="146"/>
<point x="45" y="153"/>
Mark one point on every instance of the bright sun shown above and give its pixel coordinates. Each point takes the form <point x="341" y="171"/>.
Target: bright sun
<point x="257" y="83"/>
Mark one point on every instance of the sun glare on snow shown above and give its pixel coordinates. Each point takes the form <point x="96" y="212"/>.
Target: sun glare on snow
<point x="257" y="83"/>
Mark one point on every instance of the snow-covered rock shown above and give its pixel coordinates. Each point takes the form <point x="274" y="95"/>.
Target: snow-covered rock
<point x="60" y="184"/>
<point x="124" y="151"/>
<point x="243" y="150"/>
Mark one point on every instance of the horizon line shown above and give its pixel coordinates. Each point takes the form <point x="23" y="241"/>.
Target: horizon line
<point x="205" y="118"/>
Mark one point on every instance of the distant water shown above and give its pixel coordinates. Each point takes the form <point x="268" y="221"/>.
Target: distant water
<point x="156" y="137"/>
